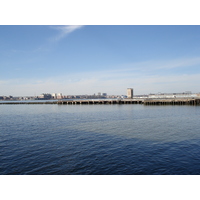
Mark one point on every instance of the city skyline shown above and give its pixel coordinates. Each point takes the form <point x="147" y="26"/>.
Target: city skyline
<point x="87" y="59"/>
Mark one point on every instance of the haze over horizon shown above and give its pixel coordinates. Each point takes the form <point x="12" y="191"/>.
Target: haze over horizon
<point x="90" y="59"/>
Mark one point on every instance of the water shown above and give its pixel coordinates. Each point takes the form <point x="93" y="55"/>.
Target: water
<point x="99" y="139"/>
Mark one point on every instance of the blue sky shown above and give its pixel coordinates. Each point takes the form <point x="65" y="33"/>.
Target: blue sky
<point x="91" y="59"/>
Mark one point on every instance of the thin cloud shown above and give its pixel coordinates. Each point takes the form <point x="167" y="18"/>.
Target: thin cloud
<point x="156" y="65"/>
<point x="65" y="30"/>
<point x="145" y="77"/>
<point x="73" y="85"/>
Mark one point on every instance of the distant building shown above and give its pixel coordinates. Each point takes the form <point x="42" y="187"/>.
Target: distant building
<point x="57" y="96"/>
<point x="54" y="96"/>
<point x="123" y="96"/>
<point x="45" y="96"/>
<point x="173" y="95"/>
<point x="130" y="93"/>
<point x="103" y="94"/>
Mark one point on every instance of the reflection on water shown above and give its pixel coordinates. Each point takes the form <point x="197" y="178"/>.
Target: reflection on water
<point x="99" y="139"/>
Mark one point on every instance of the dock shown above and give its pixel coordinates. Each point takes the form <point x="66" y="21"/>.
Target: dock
<point x="181" y="101"/>
<point x="146" y="102"/>
<point x="101" y="101"/>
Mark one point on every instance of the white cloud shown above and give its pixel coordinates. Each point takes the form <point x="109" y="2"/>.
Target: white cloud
<point x="65" y="30"/>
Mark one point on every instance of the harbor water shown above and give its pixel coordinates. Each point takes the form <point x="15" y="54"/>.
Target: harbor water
<point x="99" y="139"/>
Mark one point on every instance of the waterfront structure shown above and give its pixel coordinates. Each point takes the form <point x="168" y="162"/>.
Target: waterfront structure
<point x="173" y="95"/>
<point x="151" y="102"/>
<point x="130" y="93"/>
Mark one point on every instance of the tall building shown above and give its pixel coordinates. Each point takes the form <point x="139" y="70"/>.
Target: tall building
<point x="130" y="93"/>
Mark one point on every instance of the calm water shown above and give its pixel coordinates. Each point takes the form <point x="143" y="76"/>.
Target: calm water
<point x="99" y="139"/>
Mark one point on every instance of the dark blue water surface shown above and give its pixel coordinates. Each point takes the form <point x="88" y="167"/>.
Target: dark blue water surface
<point x="99" y="139"/>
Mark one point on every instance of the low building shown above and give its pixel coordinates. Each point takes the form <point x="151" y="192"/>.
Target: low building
<point x="173" y="95"/>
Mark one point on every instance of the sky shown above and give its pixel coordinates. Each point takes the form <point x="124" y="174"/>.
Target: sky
<point x="78" y="59"/>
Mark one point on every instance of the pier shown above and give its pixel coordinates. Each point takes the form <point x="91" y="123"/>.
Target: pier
<point x="146" y="102"/>
<point x="173" y="101"/>
<point x="101" y="101"/>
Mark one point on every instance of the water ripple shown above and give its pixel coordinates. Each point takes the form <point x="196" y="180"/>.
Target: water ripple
<point x="128" y="139"/>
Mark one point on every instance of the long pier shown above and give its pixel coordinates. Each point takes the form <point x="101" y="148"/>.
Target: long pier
<point x="147" y="102"/>
<point x="181" y="101"/>
<point x="102" y="101"/>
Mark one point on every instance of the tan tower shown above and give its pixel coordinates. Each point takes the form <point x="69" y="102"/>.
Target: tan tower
<point x="130" y="93"/>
